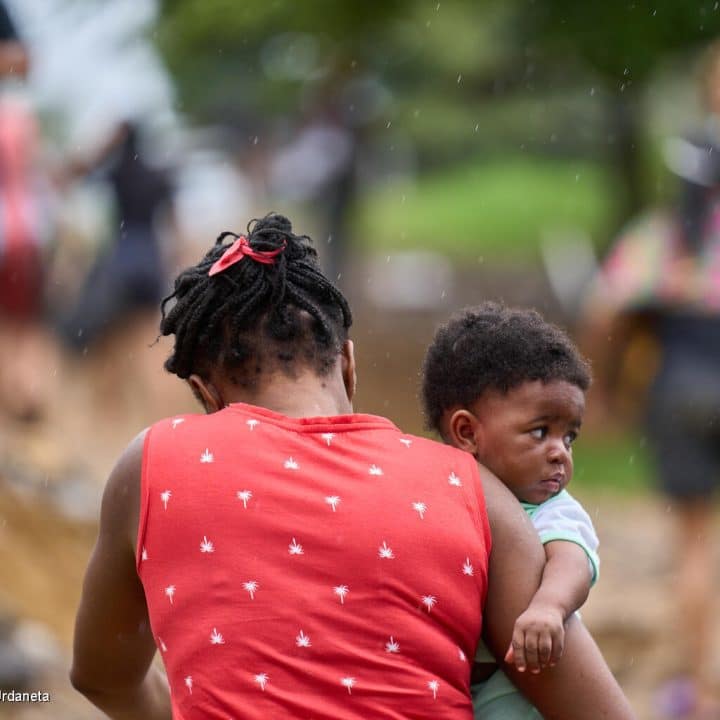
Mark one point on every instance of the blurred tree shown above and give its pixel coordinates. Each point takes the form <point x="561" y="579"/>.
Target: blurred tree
<point x="621" y="43"/>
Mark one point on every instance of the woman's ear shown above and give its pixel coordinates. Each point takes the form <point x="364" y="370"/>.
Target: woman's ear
<point x="464" y="431"/>
<point x="206" y="393"/>
<point x="349" y="372"/>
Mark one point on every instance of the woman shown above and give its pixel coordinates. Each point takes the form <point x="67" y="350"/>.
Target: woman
<point x="294" y="559"/>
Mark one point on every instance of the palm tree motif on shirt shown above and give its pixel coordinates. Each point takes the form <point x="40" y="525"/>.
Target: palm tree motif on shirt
<point x="251" y="423"/>
<point x="302" y="640"/>
<point x="290" y="464"/>
<point x="420" y="507"/>
<point x="406" y="442"/>
<point x="429" y="601"/>
<point x="261" y="679"/>
<point x="433" y="685"/>
<point x="165" y="497"/>
<point x="453" y="479"/>
<point x="207" y="457"/>
<point x="294" y="548"/>
<point x="244" y="495"/>
<point x="384" y="551"/>
<point x="216" y="638"/>
<point x="349" y="683"/>
<point x="341" y="591"/>
<point x="177" y="421"/>
<point x="206" y="546"/>
<point x="375" y="470"/>
<point x="143" y="555"/>
<point x="332" y="501"/>
<point x="251" y="586"/>
<point x="327" y="437"/>
<point x="392" y="646"/>
<point x="467" y="567"/>
<point x="170" y="592"/>
<point x="188" y="683"/>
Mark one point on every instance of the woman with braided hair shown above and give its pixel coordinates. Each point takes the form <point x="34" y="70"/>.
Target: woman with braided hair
<point x="288" y="557"/>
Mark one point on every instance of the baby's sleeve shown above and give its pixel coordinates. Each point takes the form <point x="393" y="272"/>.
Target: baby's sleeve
<point x="564" y="518"/>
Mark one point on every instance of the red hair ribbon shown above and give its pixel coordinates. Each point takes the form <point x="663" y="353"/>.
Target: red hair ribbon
<point x="239" y="249"/>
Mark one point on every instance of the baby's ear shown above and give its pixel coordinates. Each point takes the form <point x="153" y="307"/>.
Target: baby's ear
<point x="464" y="431"/>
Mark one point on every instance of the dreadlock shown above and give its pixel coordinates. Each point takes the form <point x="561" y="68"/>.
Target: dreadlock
<point x="255" y="317"/>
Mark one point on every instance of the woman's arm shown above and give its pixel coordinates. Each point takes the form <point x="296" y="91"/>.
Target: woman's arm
<point x="580" y="686"/>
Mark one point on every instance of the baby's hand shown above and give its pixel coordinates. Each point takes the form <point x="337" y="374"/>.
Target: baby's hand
<point x="538" y="638"/>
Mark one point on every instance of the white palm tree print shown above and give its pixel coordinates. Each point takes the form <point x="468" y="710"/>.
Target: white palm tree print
<point x="177" y="421"/>
<point x="420" y="507"/>
<point x="244" y="495"/>
<point x="261" y="679"/>
<point x="406" y="442"/>
<point x="143" y="555"/>
<point x="165" y="497"/>
<point x="375" y="470"/>
<point x="453" y="479"/>
<point x="327" y="437"/>
<point x="349" y="683"/>
<point x="467" y="567"/>
<point x="434" y="685"/>
<point x="332" y="501"/>
<point x="252" y="423"/>
<point x="291" y="464"/>
<point x="207" y="457"/>
<point x="341" y="591"/>
<point x="170" y="593"/>
<point x="302" y="640"/>
<point x="392" y="646"/>
<point x="251" y="586"/>
<point x="294" y="548"/>
<point x="206" y="546"/>
<point x="386" y="552"/>
<point x="188" y="683"/>
<point x="216" y="638"/>
<point x="429" y="601"/>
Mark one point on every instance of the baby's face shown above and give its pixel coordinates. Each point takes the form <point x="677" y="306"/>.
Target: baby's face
<point x="527" y="436"/>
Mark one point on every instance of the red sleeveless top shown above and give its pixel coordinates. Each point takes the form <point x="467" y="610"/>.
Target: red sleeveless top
<point x="311" y="568"/>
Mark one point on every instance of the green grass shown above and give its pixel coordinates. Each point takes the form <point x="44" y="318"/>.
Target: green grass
<point x="497" y="210"/>
<point x="617" y="463"/>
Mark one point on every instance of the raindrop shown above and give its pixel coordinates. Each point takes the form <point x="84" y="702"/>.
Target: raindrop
<point x="389" y="124"/>
<point x="592" y="91"/>
<point x="416" y="112"/>
<point x="654" y="12"/>
<point x="255" y="140"/>
<point x="442" y="295"/>
<point x="477" y="125"/>
<point x="577" y="177"/>
<point x="437" y="7"/>
<point x="631" y="460"/>
<point x="387" y="259"/>
<point x="626" y="72"/>
<point x="459" y="78"/>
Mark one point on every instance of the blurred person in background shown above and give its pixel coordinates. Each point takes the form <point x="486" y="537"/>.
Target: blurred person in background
<point x="662" y="277"/>
<point x="115" y="313"/>
<point x="24" y="344"/>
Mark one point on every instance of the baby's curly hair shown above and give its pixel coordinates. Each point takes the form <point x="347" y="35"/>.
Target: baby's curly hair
<point x="493" y="347"/>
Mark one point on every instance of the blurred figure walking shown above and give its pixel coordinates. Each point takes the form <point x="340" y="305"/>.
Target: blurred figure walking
<point x="664" y="272"/>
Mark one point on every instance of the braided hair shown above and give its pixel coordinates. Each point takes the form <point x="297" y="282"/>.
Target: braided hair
<point x="493" y="347"/>
<point x="254" y="317"/>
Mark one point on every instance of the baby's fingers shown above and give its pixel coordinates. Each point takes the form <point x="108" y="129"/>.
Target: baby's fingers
<point x="516" y="651"/>
<point x="545" y="648"/>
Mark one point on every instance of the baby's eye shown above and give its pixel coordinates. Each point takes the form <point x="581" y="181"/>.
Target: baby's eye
<point x="570" y="438"/>
<point x="539" y="433"/>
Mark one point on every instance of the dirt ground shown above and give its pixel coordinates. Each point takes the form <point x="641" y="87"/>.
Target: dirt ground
<point x="51" y="476"/>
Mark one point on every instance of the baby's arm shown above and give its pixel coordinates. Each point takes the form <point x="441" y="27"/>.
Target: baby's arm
<point x="572" y="566"/>
<point x="539" y="633"/>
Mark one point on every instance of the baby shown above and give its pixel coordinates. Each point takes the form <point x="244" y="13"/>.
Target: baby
<point x="509" y="387"/>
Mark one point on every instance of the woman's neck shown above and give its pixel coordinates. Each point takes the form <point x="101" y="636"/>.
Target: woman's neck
<point x="307" y="395"/>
